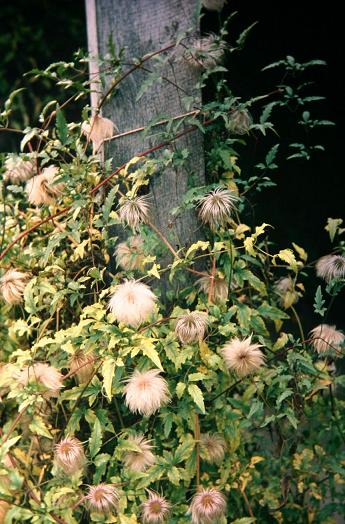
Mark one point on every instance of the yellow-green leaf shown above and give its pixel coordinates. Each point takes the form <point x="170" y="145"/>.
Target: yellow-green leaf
<point x="196" y="394"/>
<point x="108" y="370"/>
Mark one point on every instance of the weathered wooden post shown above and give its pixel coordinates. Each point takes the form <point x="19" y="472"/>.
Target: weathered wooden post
<point x="142" y="27"/>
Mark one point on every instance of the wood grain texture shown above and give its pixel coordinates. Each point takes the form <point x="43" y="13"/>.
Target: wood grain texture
<point x="145" y="26"/>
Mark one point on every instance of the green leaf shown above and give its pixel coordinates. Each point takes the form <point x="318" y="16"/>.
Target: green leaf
<point x="38" y="427"/>
<point x="95" y="441"/>
<point x="319" y="302"/>
<point x="152" y="354"/>
<point x="174" y="476"/>
<point x="196" y="394"/>
<point x="244" y="520"/>
<point x="61" y="126"/>
<point x="256" y="408"/>
<point x="180" y="389"/>
<point x="108" y="371"/>
<point x="243" y="36"/>
<point x="109" y="202"/>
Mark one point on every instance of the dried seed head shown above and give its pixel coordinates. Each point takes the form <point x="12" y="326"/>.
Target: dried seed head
<point x="83" y="365"/>
<point x="12" y="285"/>
<point x="141" y="459"/>
<point x="220" y="287"/>
<point x="331" y="267"/>
<point x="146" y="392"/>
<point x="242" y="356"/>
<point x="325" y="338"/>
<point x="132" y="303"/>
<point x="102" y="498"/>
<point x="213" y="5"/>
<point x="216" y="207"/>
<point x="44" y="188"/>
<point x="130" y="254"/>
<point x="191" y="327"/>
<point x="207" y="506"/>
<point x="213" y="447"/>
<point x="98" y="130"/>
<point x="46" y="375"/>
<point x="155" y="509"/>
<point x="205" y="52"/>
<point x="284" y="288"/>
<point x="239" y="122"/>
<point x="135" y="211"/>
<point x="18" y="170"/>
<point x="69" y="455"/>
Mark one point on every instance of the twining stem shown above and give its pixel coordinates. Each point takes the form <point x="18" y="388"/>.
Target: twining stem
<point x="299" y="325"/>
<point x="197" y="447"/>
<point x="211" y="288"/>
<point x="14" y="425"/>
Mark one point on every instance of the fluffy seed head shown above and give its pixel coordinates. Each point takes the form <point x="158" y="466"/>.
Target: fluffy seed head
<point x="98" y="130"/>
<point x="213" y="447"/>
<point x="141" y="459"/>
<point x="135" y="211"/>
<point x="331" y="266"/>
<point x="213" y="5"/>
<point x="216" y="207"/>
<point x="83" y="364"/>
<point x="220" y="287"/>
<point x="12" y="285"/>
<point x="205" y="52"/>
<point x="18" y="170"/>
<point x="239" y="122"/>
<point x="155" y="509"/>
<point x="132" y="303"/>
<point x="130" y="254"/>
<point x="43" y="188"/>
<point x="146" y="392"/>
<point x="242" y="356"/>
<point x="191" y="327"/>
<point x="325" y="338"/>
<point x="102" y="498"/>
<point x="284" y="288"/>
<point x="207" y="506"/>
<point x="69" y="455"/>
<point x="41" y="373"/>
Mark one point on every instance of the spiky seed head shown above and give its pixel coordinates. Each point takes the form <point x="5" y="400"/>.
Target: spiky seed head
<point x="69" y="455"/>
<point x="102" y="498"/>
<point x="207" y="506"/>
<point x="216" y="207"/>
<point x="97" y="130"/>
<point x="83" y="365"/>
<point x="325" y="338"/>
<point x="18" y="170"/>
<point x="12" y="285"/>
<point x="191" y="327"/>
<point x="146" y="392"/>
<point x="206" y="52"/>
<point x="284" y="288"/>
<point x="220" y="287"/>
<point x="41" y="373"/>
<point x="130" y="254"/>
<point x="132" y="303"/>
<point x="155" y="509"/>
<point x="44" y="188"/>
<point x="135" y="211"/>
<point x="239" y="122"/>
<point x="242" y="356"/>
<point x="331" y="267"/>
<point x="142" y="458"/>
<point x="213" y="447"/>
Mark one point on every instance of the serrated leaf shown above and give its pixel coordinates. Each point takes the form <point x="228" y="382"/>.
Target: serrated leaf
<point x="319" y="302"/>
<point x="152" y="354"/>
<point x="109" y="202"/>
<point x="301" y="253"/>
<point x="174" y="476"/>
<point x="38" y="427"/>
<point x="95" y="441"/>
<point x="196" y="394"/>
<point x="286" y="255"/>
<point x="200" y="244"/>
<point x="108" y="371"/>
<point x="333" y="226"/>
<point x="180" y="388"/>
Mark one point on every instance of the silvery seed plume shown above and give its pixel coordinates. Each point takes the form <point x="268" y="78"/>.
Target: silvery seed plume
<point x="331" y="267"/>
<point x="135" y="211"/>
<point x="216" y="207"/>
<point x="205" y="53"/>
<point x="325" y="338"/>
<point x="191" y="327"/>
<point x="208" y="506"/>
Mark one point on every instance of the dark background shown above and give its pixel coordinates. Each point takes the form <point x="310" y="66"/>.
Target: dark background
<point x="38" y="32"/>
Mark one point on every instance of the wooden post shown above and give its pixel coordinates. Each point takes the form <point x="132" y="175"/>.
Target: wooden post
<point x="145" y="26"/>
